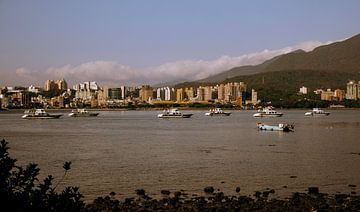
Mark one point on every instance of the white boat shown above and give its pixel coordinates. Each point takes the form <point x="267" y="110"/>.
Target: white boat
<point x="267" y="112"/>
<point x="82" y="113"/>
<point x="217" y="112"/>
<point x="173" y="113"/>
<point x="317" y="112"/>
<point x="279" y="127"/>
<point x="39" y="114"/>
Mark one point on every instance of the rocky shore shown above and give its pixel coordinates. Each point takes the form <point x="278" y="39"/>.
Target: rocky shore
<point x="313" y="200"/>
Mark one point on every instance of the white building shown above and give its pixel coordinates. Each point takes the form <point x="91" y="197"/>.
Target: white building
<point x="86" y="90"/>
<point x="303" y="90"/>
<point x="33" y="89"/>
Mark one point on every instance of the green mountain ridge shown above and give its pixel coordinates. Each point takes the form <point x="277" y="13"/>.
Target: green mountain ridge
<point x="329" y="66"/>
<point x="341" y="56"/>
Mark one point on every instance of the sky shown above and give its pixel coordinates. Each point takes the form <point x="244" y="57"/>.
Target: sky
<point x="132" y="42"/>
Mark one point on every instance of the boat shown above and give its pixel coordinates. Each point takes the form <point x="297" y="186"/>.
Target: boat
<point x="39" y="114"/>
<point x="173" y="113"/>
<point x="217" y="112"/>
<point x="82" y="113"/>
<point x="317" y="112"/>
<point x="267" y="112"/>
<point x="279" y="127"/>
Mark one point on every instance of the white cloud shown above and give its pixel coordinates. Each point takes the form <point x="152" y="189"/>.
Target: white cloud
<point x="114" y="73"/>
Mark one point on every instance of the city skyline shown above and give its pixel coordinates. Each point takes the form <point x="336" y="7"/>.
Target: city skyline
<point x="133" y="42"/>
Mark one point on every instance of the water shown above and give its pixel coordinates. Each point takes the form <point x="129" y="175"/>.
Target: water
<point x="122" y="151"/>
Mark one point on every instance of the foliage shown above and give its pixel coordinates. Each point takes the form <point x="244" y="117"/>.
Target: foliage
<point x="20" y="189"/>
<point x="51" y="93"/>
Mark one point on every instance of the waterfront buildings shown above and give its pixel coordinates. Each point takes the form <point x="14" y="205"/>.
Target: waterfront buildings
<point x="339" y="95"/>
<point x="91" y="94"/>
<point x="61" y="85"/>
<point x="303" y="90"/>
<point x="51" y="85"/>
<point x="254" y="99"/>
<point x="146" y="93"/>
<point x="86" y="91"/>
<point x="352" y="90"/>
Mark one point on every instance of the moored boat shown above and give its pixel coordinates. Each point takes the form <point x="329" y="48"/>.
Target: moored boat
<point x="174" y="113"/>
<point x="317" y="112"/>
<point x="217" y="112"/>
<point x="267" y="112"/>
<point x="82" y="113"/>
<point x="39" y="114"/>
<point x="279" y="127"/>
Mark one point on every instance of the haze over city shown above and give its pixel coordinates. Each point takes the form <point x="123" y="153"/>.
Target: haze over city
<point x="149" y="42"/>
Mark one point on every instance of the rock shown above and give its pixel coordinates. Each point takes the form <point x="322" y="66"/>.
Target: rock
<point x="177" y="194"/>
<point x="352" y="185"/>
<point x="257" y="194"/>
<point x="313" y="190"/>
<point x="237" y="189"/>
<point x="140" y="192"/>
<point x="293" y="176"/>
<point x="265" y="194"/>
<point x="165" y="192"/>
<point x="222" y="182"/>
<point x="272" y="191"/>
<point x="209" y="190"/>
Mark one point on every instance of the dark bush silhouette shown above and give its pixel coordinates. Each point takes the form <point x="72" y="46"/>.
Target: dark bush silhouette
<point x="21" y="190"/>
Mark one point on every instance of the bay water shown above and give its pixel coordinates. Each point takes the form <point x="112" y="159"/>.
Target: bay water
<point x="122" y="151"/>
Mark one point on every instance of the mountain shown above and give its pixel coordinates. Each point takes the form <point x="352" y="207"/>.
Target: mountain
<point x="341" y="56"/>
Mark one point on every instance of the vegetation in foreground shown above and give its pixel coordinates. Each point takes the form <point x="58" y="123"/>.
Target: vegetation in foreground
<point x="21" y="190"/>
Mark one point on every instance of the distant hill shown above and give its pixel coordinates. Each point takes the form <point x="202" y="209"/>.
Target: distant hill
<point x="341" y="56"/>
<point x="329" y="66"/>
<point x="277" y="85"/>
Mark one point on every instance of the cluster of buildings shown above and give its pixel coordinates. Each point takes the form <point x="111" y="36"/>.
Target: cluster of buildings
<point x="91" y="93"/>
<point x="326" y="95"/>
<point x="58" y="94"/>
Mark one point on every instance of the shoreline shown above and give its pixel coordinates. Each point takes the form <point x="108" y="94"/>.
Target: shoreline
<point x="212" y="200"/>
<point x="180" y="108"/>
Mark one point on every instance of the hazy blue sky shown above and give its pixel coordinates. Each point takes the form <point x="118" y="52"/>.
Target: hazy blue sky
<point x="137" y="41"/>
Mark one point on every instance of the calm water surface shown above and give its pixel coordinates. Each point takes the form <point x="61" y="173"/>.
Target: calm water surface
<point x="122" y="151"/>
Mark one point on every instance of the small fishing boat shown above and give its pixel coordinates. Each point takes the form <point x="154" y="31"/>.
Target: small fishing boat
<point x="317" y="112"/>
<point x="279" y="127"/>
<point x="174" y="113"/>
<point x="82" y="113"/>
<point x="267" y="112"/>
<point x="217" y="112"/>
<point x="39" y="114"/>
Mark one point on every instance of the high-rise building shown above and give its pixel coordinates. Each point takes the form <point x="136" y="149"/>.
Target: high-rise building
<point x="207" y="93"/>
<point x="221" y="92"/>
<point x="160" y="94"/>
<point x="233" y="90"/>
<point x="146" y="93"/>
<point x="327" y="95"/>
<point x="61" y="85"/>
<point x="352" y="90"/>
<point x="339" y="95"/>
<point x="124" y="92"/>
<point x="50" y="85"/>
<point x="86" y="91"/>
<point x="253" y="97"/>
<point x="303" y="90"/>
<point x="114" y="93"/>
<point x="189" y="93"/>
<point x="170" y="94"/>
<point x="180" y="95"/>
